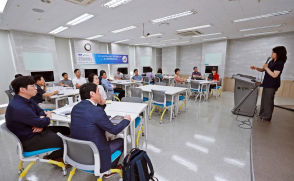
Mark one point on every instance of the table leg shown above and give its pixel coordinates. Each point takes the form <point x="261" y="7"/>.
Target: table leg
<point x="176" y="104"/>
<point x="133" y="134"/>
<point x="216" y="96"/>
<point x="171" y="108"/>
<point x="125" y="142"/>
<point x="186" y="99"/>
<point x="149" y="103"/>
<point x="56" y="103"/>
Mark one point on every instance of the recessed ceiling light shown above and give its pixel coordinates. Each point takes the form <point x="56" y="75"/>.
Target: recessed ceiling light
<point x="171" y="39"/>
<point x="124" y="29"/>
<point x="58" y="30"/>
<point x="258" y="28"/>
<point x="142" y="44"/>
<point x="262" y="16"/>
<point x="255" y="34"/>
<point x="38" y="10"/>
<point x="122" y="41"/>
<point x="207" y="35"/>
<point x="2" y="5"/>
<point x="80" y="19"/>
<point x="211" y="39"/>
<point x="175" y="16"/>
<point x="115" y="3"/>
<point x="181" y="42"/>
<point x="93" y="37"/>
<point x="46" y="1"/>
<point x="195" y="28"/>
<point x="157" y="34"/>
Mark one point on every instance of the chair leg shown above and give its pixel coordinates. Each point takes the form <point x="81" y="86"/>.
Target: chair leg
<point x="99" y="179"/>
<point x="138" y="137"/>
<point x="25" y="171"/>
<point x="117" y="98"/>
<point x="117" y="171"/>
<point x="143" y="134"/>
<point x="71" y="174"/>
<point x="20" y="167"/>
<point x="162" y="116"/>
<point x="152" y="111"/>
<point x="181" y="106"/>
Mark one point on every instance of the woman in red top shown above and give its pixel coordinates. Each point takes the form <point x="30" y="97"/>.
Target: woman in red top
<point x="215" y="78"/>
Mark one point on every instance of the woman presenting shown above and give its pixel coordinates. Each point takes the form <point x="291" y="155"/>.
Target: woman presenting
<point x="271" y="81"/>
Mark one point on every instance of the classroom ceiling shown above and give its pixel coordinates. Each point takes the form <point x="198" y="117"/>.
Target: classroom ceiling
<point x="18" y="15"/>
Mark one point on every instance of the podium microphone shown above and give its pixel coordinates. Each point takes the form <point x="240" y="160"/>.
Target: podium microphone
<point x="267" y="60"/>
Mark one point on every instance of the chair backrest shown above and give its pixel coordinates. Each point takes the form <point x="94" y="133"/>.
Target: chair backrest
<point x="146" y="79"/>
<point x="136" y="92"/>
<point x="161" y="83"/>
<point x="181" y="85"/>
<point x="19" y="145"/>
<point x="157" y="79"/>
<point x="109" y="96"/>
<point x="220" y="82"/>
<point x="81" y="154"/>
<point x="158" y="96"/>
<point x="132" y="99"/>
<point x="195" y="84"/>
<point x="106" y="90"/>
<point x="8" y="94"/>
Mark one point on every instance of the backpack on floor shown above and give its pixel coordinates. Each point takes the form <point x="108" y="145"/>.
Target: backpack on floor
<point x="135" y="167"/>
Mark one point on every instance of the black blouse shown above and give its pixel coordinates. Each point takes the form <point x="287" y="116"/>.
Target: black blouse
<point x="269" y="81"/>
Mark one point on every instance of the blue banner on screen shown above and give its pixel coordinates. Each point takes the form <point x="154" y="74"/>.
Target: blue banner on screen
<point x="95" y="58"/>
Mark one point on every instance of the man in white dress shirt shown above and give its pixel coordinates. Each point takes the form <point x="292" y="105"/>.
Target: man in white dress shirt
<point x="78" y="81"/>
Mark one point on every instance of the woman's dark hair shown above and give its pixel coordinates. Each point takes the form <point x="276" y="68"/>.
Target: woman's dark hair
<point x="91" y="77"/>
<point x="281" y="53"/>
<point x="76" y="70"/>
<point x="102" y="72"/>
<point x="118" y="70"/>
<point x="150" y="69"/>
<point x="159" y="70"/>
<point x="177" y="69"/>
<point x="17" y="75"/>
<point x="85" y="90"/>
<point x="37" y="77"/>
<point x="135" y="70"/>
<point x="214" y="69"/>
<point x="22" y="81"/>
<point x="63" y="74"/>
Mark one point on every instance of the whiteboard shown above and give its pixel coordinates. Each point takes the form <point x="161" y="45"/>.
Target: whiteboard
<point x="37" y="61"/>
<point x="145" y="61"/>
<point x="213" y="59"/>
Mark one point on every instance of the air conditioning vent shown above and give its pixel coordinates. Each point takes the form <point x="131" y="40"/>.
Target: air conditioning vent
<point x="81" y="2"/>
<point x="189" y="33"/>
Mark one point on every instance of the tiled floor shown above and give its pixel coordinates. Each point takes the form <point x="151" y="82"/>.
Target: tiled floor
<point x="204" y="143"/>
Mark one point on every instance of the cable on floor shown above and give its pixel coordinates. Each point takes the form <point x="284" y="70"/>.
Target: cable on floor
<point x="244" y="123"/>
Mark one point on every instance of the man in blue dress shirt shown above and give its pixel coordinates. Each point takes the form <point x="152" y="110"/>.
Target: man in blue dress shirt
<point x="137" y="77"/>
<point x="89" y="122"/>
<point x="109" y="87"/>
<point x="29" y="122"/>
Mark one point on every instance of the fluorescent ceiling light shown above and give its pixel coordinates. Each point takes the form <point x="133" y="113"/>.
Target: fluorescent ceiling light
<point x="255" y="34"/>
<point x="262" y="16"/>
<point x="207" y="35"/>
<point x="2" y="5"/>
<point x="93" y="37"/>
<point x="157" y="34"/>
<point x="263" y="27"/>
<point x="211" y="39"/>
<point x="142" y="44"/>
<point x="122" y="41"/>
<point x="171" y="39"/>
<point x="115" y="3"/>
<point x="58" y="30"/>
<point x="195" y="28"/>
<point x="80" y="19"/>
<point x="181" y="42"/>
<point x="159" y="45"/>
<point x="124" y="29"/>
<point x="175" y="16"/>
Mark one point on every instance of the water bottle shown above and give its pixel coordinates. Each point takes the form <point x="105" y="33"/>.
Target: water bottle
<point x="74" y="87"/>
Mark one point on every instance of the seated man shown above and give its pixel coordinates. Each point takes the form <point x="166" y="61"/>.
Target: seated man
<point x="118" y="75"/>
<point x="93" y="78"/>
<point x="90" y="123"/>
<point x="109" y="87"/>
<point x="78" y="81"/>
<point x="29" y="122"/>
<point x="10" y="87"/>
<point x="38" y="98"/>
<point x="65" y="82"/>
<point x="137" y="77"/>
<point x="196" y="75"/>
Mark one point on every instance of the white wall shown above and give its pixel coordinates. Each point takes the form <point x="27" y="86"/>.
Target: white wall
<point x="7" y="70"/>
<point x="64" y="57"/>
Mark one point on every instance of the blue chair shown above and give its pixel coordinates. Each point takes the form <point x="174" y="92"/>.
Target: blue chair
<point x="137" y="92"/>
<point x="197" y="89"/>
<point x="31" y="156"/>
<point x="115" y="94"/>
<point x="218" y="88"/>
<point x="147" y="81"/>
<point x="84" y="155"/>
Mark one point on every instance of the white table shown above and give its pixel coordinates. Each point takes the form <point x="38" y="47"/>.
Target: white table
<point x="172" y="91"/>
<point x="124" y="83"/>
<point x="207" y="83"/>
<point x="63" y="94"/>
<point x="170" y="79"/>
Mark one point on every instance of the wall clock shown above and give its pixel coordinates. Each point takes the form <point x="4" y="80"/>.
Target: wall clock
<point x="87" y="47"/>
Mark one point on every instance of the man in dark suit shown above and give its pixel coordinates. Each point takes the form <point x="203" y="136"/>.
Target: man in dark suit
<point x="89" y="122"/>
